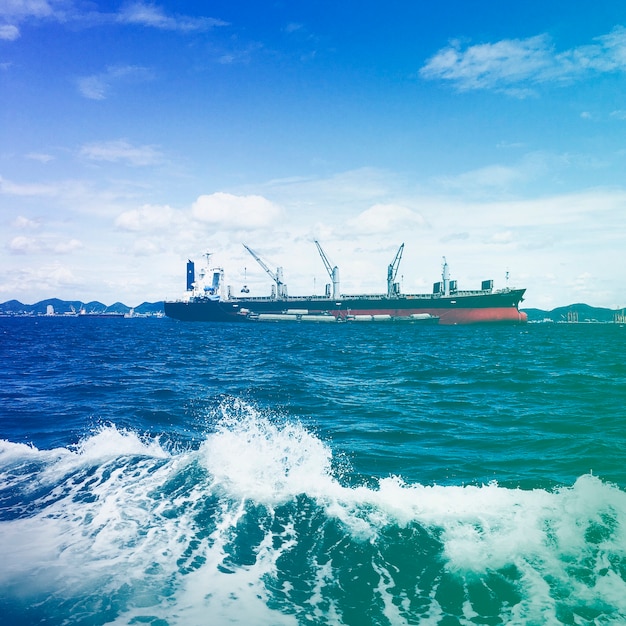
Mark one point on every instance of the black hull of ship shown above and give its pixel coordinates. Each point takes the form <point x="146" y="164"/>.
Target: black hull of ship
<point x="454" y="309"/>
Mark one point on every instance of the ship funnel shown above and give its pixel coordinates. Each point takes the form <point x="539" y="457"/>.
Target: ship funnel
<point x="191" y="275"/>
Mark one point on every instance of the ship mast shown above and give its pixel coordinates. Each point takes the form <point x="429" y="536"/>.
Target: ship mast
<point x="277" y="277"/>
<point x="393" y="288"/>
<point x="333" y="272"/>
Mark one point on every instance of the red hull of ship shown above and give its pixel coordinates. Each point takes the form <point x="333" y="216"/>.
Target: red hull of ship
<point x="459" y="316"/>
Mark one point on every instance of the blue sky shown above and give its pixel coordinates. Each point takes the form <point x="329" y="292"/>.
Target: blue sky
<point x="136" y="135"/>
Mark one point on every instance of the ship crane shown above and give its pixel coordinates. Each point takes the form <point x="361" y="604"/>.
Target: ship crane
<point x="393" y="288"/>
<point x="445" y="278"/>
<point x="277" y="277"/>
<point x="333" y="272"/>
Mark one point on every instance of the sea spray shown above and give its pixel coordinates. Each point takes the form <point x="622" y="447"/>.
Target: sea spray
<point x="263" y="459"/>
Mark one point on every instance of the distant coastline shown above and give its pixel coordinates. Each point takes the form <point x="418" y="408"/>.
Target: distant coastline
<point x="53" y="307"/>
<point x="574" y="313"/>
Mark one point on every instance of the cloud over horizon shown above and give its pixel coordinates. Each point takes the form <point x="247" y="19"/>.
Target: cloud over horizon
<point x="227" y="211"/>
<point x="384" y="218"/>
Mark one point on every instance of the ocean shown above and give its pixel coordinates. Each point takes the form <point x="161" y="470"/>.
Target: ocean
<point x="163" y="473"/>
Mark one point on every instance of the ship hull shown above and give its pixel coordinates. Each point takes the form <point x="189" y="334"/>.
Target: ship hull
<point x="474" y="308"/>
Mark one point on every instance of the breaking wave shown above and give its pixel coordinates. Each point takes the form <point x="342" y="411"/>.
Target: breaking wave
<point x="257" y="525"/>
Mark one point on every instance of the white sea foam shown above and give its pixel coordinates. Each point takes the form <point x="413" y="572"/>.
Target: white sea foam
<point x="268" y="462"/>
<point x="10" y="451"/>
<point x="109" y="441"/>
<point x="118" y="511"/>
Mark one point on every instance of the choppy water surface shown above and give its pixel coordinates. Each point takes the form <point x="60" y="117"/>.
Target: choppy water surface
<point x="154" y="472"/>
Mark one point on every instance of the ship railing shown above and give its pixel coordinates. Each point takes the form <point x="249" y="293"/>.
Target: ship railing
<point x="369" y="296"/>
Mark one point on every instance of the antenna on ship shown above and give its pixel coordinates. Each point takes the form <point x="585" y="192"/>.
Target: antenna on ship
<point x="245" y="288"/>
<point x="333" y="272"/>
<point x="393" y="288"/>
<point x="277" y="277"/>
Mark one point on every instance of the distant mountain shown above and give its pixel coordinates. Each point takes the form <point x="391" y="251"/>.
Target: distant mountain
<point x="149" y="308"/>
<point x="575" y="313"/>
<point x="69" y="307"/>
<point x="117" y="307"/>
<point x="11" y="306"/>
<point x="15" y="307"/>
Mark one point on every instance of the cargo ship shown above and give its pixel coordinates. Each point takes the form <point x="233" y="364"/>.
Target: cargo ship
<point x="208" y="299"/>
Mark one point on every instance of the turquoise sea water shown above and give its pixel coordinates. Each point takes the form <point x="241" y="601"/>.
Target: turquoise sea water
<point x="154" y="472"/>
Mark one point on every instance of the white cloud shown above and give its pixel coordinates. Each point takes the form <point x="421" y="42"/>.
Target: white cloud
<point x="385" y="218"/>
<point x="489" y="65"/>
<point x="501" y="238"/>
<point x="455" y="237"/>
<point x="146" y="247"/>
<point x="148" y="218"/>
<point x="228" y="211"/>
<point x="93" y="87"/>
<point x="65" y="247"/>
<point x="39" y="156"/>
<point x="60" y="198"/>
<point x="145" y="14"/>
<point x="28" y="284"/>
<point x="515" y="66"/>
<point x="120" y="150"/>
<point x="492" y="176"/>
<point x="496" y="179"/>
<point x="45" y="244"/>
<point x="23" y="245"/>
<point x="153" y="16"/>
<point x="20" y="9"/>
<point x="510" y="145"/>
<point x="22" y="222"/>
<point x="99" y="86"/>
<point x="9" y="32"/>
<point x="34" y="189"/>
<point x="14" y="12"/>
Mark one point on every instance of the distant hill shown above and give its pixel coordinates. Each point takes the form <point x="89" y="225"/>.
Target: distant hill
<point x="69" y="307"/>
<point x="149" y="308"/>
<point x="575" y="313"/>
